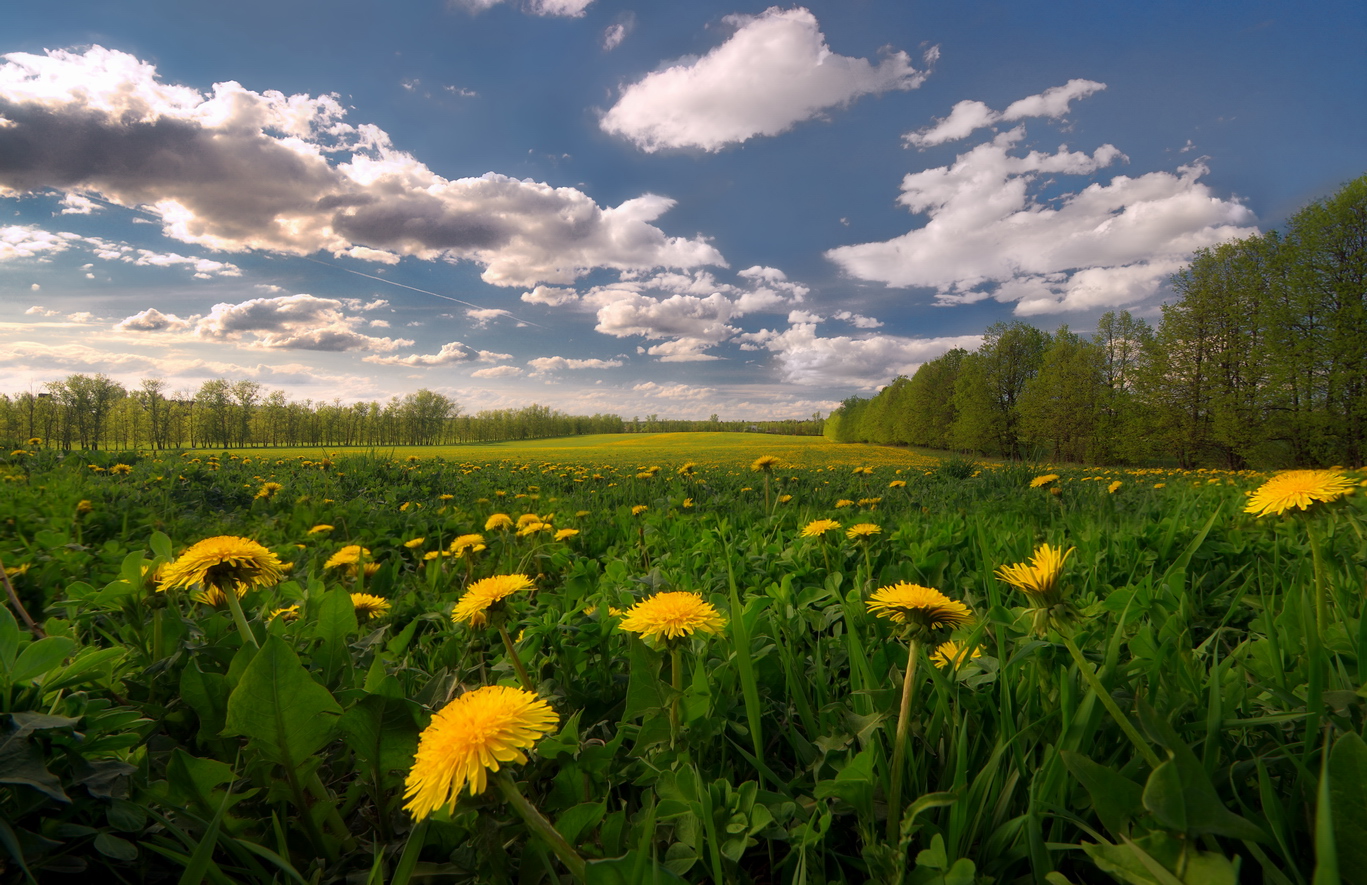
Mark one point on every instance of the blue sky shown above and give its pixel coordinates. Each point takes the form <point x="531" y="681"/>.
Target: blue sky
<point x="643" y="208"/>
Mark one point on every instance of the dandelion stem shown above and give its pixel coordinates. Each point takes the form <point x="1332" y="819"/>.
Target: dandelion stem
<point x="537" y="823"/>
<point x="676" y="681"/>
<point x="19" y="606"/>
<point x="517" y="662"/>
<point x="899" y="747"/>
<point x="1321" y="583"/>
<point x="235" y="605"/>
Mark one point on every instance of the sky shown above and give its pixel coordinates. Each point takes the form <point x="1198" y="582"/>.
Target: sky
<point x="678" y="209"/>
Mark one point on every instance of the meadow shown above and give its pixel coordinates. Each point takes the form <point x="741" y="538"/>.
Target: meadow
<point x="654" y="658"/>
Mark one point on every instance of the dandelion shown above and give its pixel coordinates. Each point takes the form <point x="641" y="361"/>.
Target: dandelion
<point x="532" y="528"/>
<point x="1038" y="579"/>
<point x="414" y="543"/>
<point x="319" y="528"/>
<point x="288" y="613"/>
<point x="348" y="555"/>
<point x="767" y="463"/>
<point x="639" y="509"/>
<point x="470" y="737"/>
<point x="120" y="470"/>
<point x="784" y="499"/>
<point x="221" y="564"/>
<point x="486" y="596"/>
<point x="498" y="522"/>
<point x="843" y="503"/>
<point x="1114" y="487"/>
<point x="952" y="654"/>
<point x="464" y="544"/>
<point x="862" y="471"/>
<point x="527" y="519"/>
<point x="924" y="609"/>
<point x="818" y="527"/>
<point x="672" y="616"/>
<point x="566" y="534"/>
<point x="863" y="531"/>
<point x="1297" y="488"/>
<point x="687" y="503"/>
<point x="686" y="469"/>
<point x="1040" y="482"/>
<point x="897" y="484"/>
<point x="83" y="507"/>
<point x="370" y="606"/>
<point x="35" y="441"/>
<point x="268" y="490"/>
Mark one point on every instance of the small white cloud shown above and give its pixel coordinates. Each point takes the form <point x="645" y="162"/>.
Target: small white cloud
<point x="550" y="295"/>
<point x="451" y="353"/>
<point x="19" y="241"/>
<point x="153" y="320"/>
<point x="774" y="72"/>
<point x="496" y="372"/>
<point x="81" y="316"/>
<point x="75" y="204"/>
<point x="859" y="321"/>
<point x="968" y="116"/>
<point x="560" y="363"/>
<point x="36" y="310"/>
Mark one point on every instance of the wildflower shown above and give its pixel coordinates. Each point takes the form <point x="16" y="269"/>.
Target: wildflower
<point x="870" y="502"/>
<point x="767" y="463"/>
<point x="370" y="606"/>
<point x="268" y="490"/>
<point x="1039" y="578"/>
<point x="83" y="507"/>
<point x="784" y="499"/>
<point x="414" y="543"/>
<point x="818" y="527"/>
<point x="565" y="534"/>
<point x="864" y="471"/>
<point x="319" y="528"/>
<point x="1114" y="487"/>
<point x="531" y="528"/>
<point x="470" y="737"/>
<point x="498" y="522"/>
<point x="1040" y="482"/>
<point x="897" y="484"/>
<point x="863" y="531"/>
<point x="223" y="561"/>
<point x="35" y="441"/>
<point x="467" y="544"/>
<point x="288" y="613"/>
<point x="687" y="503"/>
<point x="445" y="497"/>
<point x="1160" y="485"/>
<point x="639" y="509"/>
<point x="120" y="470"/>
<point x="348" y="555"/>
<point x="922" y="608"/>
<point x="951" y="654"/>
<point x="527" y="519"/>
<point x="486" y="596"/>
<point x="843" y="503"/>
<point x="687" y="469"/>
<point x="671" y="616"/>
<point x="1297" y="488"/>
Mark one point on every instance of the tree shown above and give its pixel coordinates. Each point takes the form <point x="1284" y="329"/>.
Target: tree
<point x="1059" y="405"/>
<point x="85" y="402"/>
<point x="1011" y="355"/>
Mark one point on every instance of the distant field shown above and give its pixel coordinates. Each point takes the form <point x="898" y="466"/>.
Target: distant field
<point x="713" y="449"/>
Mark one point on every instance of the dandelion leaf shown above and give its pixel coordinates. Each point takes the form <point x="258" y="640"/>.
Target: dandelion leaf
<point x="1115" y="797"/>
<point x="1348" y="799"/>
<point x="279" y="707"/>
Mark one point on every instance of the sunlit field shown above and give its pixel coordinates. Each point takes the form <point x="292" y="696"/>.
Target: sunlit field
<point x="676" y="657"/>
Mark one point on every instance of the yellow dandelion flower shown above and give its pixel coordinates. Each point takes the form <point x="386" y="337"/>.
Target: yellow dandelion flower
<point x="370" y="606"/>
<point x="483" y="595"/>
<point x="687" y="503"/>
<point x="434" y="554"/>
<point x="120" y="470"/>
<point x="498" y="522"/>
<point x="1297" y="488"/>
<point x="922" y="607"/>
<point x="1114" y="487"/>
<point x="784" y="499"/>
<point x="223" y="561"/>
<point x="862" y="471"/>
<point x="1042" y="481"/>
<point x="1160" y="485"/>
<point x="897" y="484"/>
<point x="863" y="530"/>
<point x="467" y="544"/>
<point x="818" y="527"/>
<point x="288" y="613"/>
<point x="843" y="503"/>
<point x="526" y="519"/>
<point x="952" y="654"/>
<point x="686" y="469"/>
<point x="414" y="542"/>
<point x="766" y="463"/>
<point x="565" y="534"/>
<point x="1039" y="577"/>
<point x="35" y="441"/>
<point x="531" y="528"/>
<point x="445" y="497"/>
<point x="639" y="509"/>
<point x="671" y="616"/>
<point x="469" y="737"/>
<point x="268" y="490"/>
<point x="348" y="555"/>
<point x="319" y="528"/>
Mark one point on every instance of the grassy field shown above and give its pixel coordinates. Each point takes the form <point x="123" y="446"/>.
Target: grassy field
<point x="1169" y="691"/>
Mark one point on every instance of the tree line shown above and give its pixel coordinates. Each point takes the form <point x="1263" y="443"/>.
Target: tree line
<point x="94" y="411"/>
<point x="1260" y="360"/>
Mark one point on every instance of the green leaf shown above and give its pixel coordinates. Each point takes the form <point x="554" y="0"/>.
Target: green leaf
<point x="40" y="657"/>
<point x="632" y="868"/>
<point x="383" y="732"/>
<point x="113" y="846"/>
<point x="9" y="641"/>
<point x="336" y="624"/>
<point x="576" y="821"/>
<point x="207" y="695"/>
<point x="22" y="761"/>
<point x="1164" y="797"/>
<point x="1348" y="801"/>
<point x="1115" y="797"/>
<point x="643" y="687"/>
<point x="280" y="708"/>
<point x="161" y="546"/>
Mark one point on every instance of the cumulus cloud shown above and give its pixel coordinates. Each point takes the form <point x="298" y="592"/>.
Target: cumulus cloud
<point x="565" y="8"/>
<point x="496" y="372"/>
<point x="480" y="317"/>
<point x="451" y="353"/>
<point x="40" y="311"/>
<point x="75" y="204"/>
<point x="867" y="363"/>
<point x="20" y="241"/>
<point x="615" y="33"/>
<point x="1107" y="245"/>
<point x="559" y="363"/>
<point x="235" y="170"/>
<point x="289" y="322"/>
<point x="774" y="72"/>
<point x="968" y="116"/>
<point x="551" y="296"/>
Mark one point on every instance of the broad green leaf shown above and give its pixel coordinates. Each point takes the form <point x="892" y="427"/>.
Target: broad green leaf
<point x="40" y="657"/>
<point x="335" y="626"/>
<point x="1348" y="799"/>
<point x="207" y="695"/>
<point x="279" y="707"/>
<point x="9" y="641"/>
<point x="1164" y="797"/>
<point x="580" y="819"/>
<point x="633" y="868"/>
<point x="383" y="732"/>
<point x="22" y="761"/>
<point x="643" y="687"/>
<point x="1115" y="797"/>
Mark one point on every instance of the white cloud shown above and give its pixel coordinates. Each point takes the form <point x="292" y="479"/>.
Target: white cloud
<point x="153" y="320"/>
<point x="1107" y="245"/>
<point x="75" y="204"/>
<point x="560" y="363"/>
<point x="566" y="8"/>
<point x="451" y="353"/>
<point x="496" y="372"/>
<point x="19" y="241"/>
<point x="615" y="33"/>
<point x="841" y="361"/>
<point x="289" y="174"/>
<point x="774" y="72"/>
<point x="969" y="116"/>
<point x="37" y="310"/>
<point x="859" y="321"/>
<point x="480" y="317"/>
<point x="674" y="391"/>
<point x="551" y="296"/>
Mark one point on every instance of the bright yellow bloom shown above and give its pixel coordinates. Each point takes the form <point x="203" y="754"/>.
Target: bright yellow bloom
<point x="565" y="534"/>
<point x="498" y="522"/>
<point x="923" y="607"/>
<point x="268" y="490"/>
<point x="1114" y="487"/>
<point x="370" y="606"/>
<point x="222" y="562"/>
<point x="414" y="542"/>
<point x="686" y="470"/>
<point x="288" y="613"/>
<point x="687" y="503"/>
<point x="527" y="519"/>
<point x="1038" y="578"/>
<point x="467" y="543"/>
<point x="35" y="441"/>
<point x="470" y="737"/>
<point x="671" y="616"/>
<point x="818" y="527"/>
<point x="485" y="594"/>
<point x="348" y="555"/>
<point x="320" y="528"/>
<point x="863" y="530"/>
<point x="120" y="469"/>
<point x="843" y="503"/>
<point x="1041" y="481"/>
<point x="767" y="463"/>
<point x="1297" y="488"/>
<point x="639" y="509"/>
<point x="951" y="654"/>
<point x="897" y="484"/>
